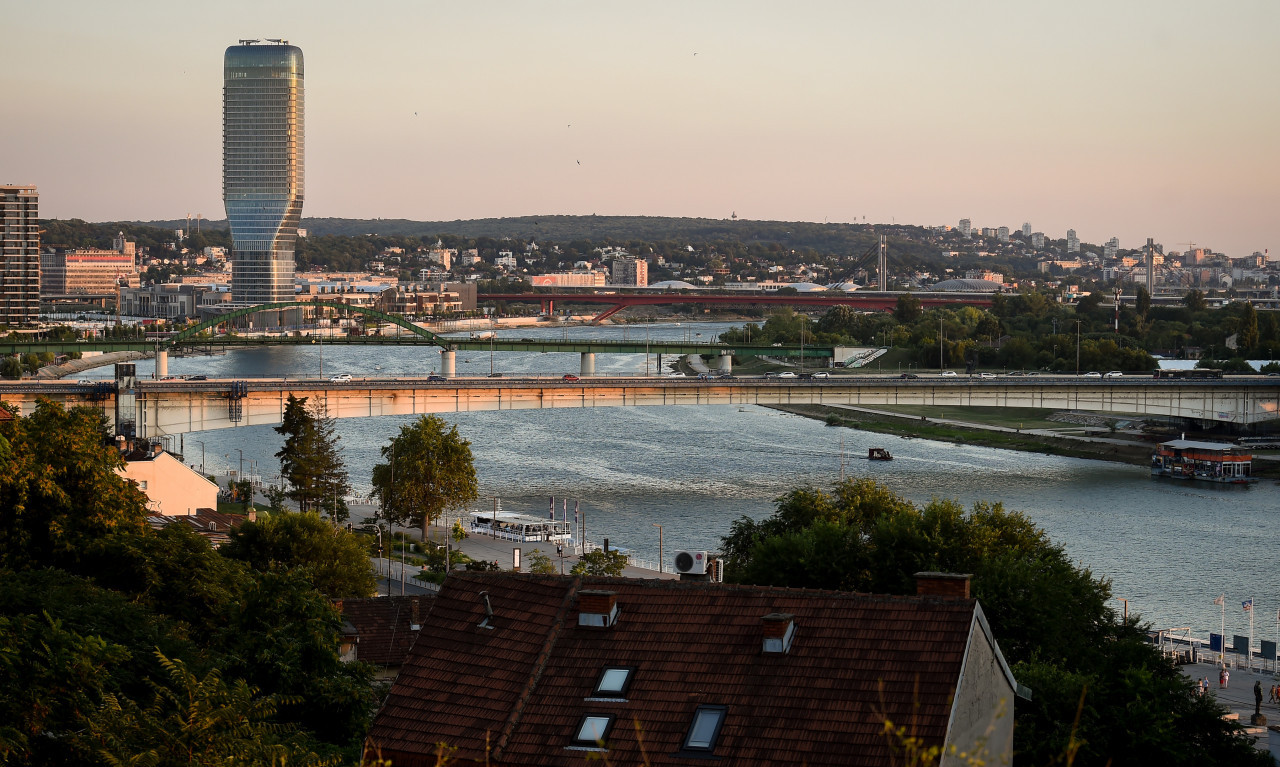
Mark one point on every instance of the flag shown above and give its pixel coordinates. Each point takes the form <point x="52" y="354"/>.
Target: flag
<point x="1221" y="600"/>
<point x="1247" y="604"/>
<point x="575" y="512"/>
<point x="553" y="508"/>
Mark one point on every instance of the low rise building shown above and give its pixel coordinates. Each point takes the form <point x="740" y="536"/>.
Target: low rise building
<point x="541" y="670"/>
<point x="633" y="272"/>
<point x="90" y="271"/>
<point x="380" y="631"/>
<point x="590" y="279"/>
<point x="173" y="489"/>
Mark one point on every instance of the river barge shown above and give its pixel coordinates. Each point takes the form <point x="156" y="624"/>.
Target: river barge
<point x="1219" y="462"/>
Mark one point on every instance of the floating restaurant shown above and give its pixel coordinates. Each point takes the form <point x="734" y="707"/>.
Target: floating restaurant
<point x="1204" y="461"/>
<point x="512" y="526"/>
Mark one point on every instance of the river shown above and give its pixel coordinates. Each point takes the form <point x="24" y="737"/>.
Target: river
<point x="1169" y="548"/>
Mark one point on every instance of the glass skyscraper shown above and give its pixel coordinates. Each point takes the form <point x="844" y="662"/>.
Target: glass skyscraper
<point x="262" y="166"/>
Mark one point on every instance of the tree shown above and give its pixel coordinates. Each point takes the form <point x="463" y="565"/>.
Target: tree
<point x="601" y="562"/>
<point x="428" y="472"/>
<point x="908" y="309"/>
<point x="59" y="487"/>
<point x="1248" y="326"/>
<point x="11" y="367"/>
<point x="540" y="564"/>
<point x="333" y="560"/>
<point x="1142" y="301"/>
<point x="1194" y="300"/>
<point x="310" y="460"/>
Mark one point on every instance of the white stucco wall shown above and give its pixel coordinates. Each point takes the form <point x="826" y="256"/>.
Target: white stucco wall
<point x="982" y="715"/>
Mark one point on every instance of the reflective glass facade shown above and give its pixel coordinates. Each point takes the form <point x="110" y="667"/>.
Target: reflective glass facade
<point x="262" y="130"/>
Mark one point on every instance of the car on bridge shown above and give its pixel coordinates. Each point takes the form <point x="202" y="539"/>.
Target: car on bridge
<point x="569" y="377"/>
<point x="1114" y="374"/>
<point x="341" y="378"/>
<point x="947" y="374"/>
<point x="1092" y="374"/>
<point x="435" y="378"/>
<point x="908" y="376"/>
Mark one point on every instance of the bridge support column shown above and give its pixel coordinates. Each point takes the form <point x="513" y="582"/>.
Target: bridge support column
<point x="162" y="364"/>
<point x="447" y="365"/>
<point x="588" y="364"/>
<point x="726" y="363"/>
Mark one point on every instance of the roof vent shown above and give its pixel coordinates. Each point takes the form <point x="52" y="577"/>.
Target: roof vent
<point x="597" y="609"/>
<point x="487" y="623"/>
<point x="779" y="630"/>
<point x="952" y="585"/>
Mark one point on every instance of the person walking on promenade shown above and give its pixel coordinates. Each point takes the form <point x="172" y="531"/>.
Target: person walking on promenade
<point x="1226" y="677"/>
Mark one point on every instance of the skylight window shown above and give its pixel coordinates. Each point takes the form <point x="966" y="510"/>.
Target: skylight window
<point x="614" y="682"/>
<point x="705" y="729"/>
<point x="593" y="729"/>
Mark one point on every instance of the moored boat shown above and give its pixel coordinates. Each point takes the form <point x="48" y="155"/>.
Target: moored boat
<point x="1219" y="462"/>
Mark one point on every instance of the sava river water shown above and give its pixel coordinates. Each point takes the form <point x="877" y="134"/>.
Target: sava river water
<point x="1169" y="548"/>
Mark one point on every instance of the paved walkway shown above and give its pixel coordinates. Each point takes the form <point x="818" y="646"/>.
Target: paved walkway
<point x="1238" y="698"/>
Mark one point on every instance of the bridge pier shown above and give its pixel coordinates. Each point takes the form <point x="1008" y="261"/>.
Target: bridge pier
<point x="448" y="367"/>
<point x="588" y="364"/>
<point x="726" y="363"/>
<point x="162" y="364"/>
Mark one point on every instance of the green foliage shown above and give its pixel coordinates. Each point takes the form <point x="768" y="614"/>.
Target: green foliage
<point x="601" y="562"/>
<point x="540" y="564"/>
<point x="334" y="561"/>
<point x="1195" y="301"/>
<point x="310" y="460"/>
<point x="11" y="368"/>
<point x="1051" y="618"/>
<point x="428" y="471"/>
<point x="59" y="489"/>
<point x="908" y="310"/>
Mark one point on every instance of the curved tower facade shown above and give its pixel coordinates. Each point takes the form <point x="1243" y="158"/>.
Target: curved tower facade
<point x="262" y="167"/>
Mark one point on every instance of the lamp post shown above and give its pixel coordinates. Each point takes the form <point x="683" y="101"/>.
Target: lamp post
<point x="1077" y="347"/>
<point x="1126" y="608"/>
<point x="201" y="443"/>
<point x="655" y="524"/>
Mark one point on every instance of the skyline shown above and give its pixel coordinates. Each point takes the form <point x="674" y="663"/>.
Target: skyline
<point x="1138" y="120"/>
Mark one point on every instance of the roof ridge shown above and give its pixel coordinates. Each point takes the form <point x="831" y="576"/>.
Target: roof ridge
<point x="539" y="666"/>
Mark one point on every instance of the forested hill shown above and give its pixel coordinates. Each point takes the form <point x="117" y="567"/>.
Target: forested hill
<point x="842" y="239"/>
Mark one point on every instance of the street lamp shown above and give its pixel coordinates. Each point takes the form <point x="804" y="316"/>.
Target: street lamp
<point x="655" y="524"/>
<point x="201" y="443"/>
<point x="1126" y="608"/>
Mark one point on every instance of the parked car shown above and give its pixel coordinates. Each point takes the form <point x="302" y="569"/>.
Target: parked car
<point x="570" y="377"/>
<point x="340" y="378"/>
<point x="1092" y="374"/>
<point x="1114" y="374"/>
<point x="948" y="374"/>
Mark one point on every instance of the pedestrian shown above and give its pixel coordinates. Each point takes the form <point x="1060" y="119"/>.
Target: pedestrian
<point x="1222" y="677"/>
<point x="1226" y="677"/>
<point x="1204" y="686"/>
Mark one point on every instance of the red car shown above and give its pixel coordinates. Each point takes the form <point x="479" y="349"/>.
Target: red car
<point x="569" y="377"/>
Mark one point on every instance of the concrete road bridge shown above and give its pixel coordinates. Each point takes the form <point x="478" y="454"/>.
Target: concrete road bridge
<point x="156" y="409"/>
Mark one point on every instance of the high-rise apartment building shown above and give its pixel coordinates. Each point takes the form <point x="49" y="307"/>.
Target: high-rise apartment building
<point x="1037" y="239"/>
<point x="631" y="271"/>
<point x="1002" y="234"/>
<point x="966" y="228"/>
<point x="1073" y="242"/>
<point x="20" y="249"/>
<point x="262" y="168"/>
<point x="1026" y="229"/>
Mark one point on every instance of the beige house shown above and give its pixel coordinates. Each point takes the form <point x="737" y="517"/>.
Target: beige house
<point x="173" y="488"/>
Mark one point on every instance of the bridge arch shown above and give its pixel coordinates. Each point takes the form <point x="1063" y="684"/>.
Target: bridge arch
<point x="188" y="335"/>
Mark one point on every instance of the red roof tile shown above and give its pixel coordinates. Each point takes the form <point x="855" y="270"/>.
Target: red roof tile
<point x="386" y="626"/>
<point x="521" y="685"/>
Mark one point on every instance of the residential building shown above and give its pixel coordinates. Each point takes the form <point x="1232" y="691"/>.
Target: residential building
<point x="380" y="631"/>
<point x="262" y="166"/>
<point x="631" y="271"/>
<point x="505" y="260"/>
<point x="984" y="274"/>
<point x="547" y="670"/>
<point x="569" y="280"/>
<point x="966" y="228"/>
<point x="1026" y="229"/>
<point x="20" y="272"/>
<point x="214" y="526"/>
<point x="1110" y="248"/>
<point x="415" y="300"/>
<point x="1073" y="242"/>
<point x="1002" y="234"/>
<point x="1037" y="240"/>
<point x="172" y="301"/>
<point x="85" y="271"/>
<point x="121" y="244"/>
<point x="173" y="488"/>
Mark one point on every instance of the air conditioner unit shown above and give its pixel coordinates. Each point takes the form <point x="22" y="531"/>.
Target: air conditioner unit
<point x="691" y="562"/>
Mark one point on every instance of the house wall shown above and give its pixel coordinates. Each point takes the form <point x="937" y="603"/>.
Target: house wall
<point x="171" y="487"/>
<point x="982" y="714"/>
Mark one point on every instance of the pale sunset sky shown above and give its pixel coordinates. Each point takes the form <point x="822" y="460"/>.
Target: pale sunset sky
<point x="1133" y="119"/>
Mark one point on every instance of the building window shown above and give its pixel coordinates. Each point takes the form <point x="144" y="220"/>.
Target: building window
<point x="614" y="682"/>
<point x="705" y="728"/>
<point x="593" y="730"/>
<point x="142" y="485"/>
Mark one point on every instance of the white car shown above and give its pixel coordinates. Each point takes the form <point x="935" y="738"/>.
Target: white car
<point x="822" y="374"/>
<point x="986" y="375"/>
<point x="1092" y="374"/>
<point x="948" y="374"/>
<point x="342" y="378"/>
<point x="1114" y="374"/>
<point x="786" y="374"/>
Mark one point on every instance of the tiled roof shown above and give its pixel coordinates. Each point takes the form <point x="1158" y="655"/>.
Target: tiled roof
<point x="385" y="626"/>
<point x="855" y="661"/>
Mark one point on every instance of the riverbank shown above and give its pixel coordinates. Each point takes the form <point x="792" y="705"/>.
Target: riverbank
<point x="1123" y="448"/>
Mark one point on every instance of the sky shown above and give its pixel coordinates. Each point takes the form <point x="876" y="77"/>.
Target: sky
<point x="1113" y="117"/>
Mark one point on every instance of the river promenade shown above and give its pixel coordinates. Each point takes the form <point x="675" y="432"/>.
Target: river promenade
<point x="1237" y="697"/>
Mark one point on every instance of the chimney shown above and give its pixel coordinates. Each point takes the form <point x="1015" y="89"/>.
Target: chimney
<point x="778" y="629"/>
<point x="415" y="623"/>
<point x="950" y="585"/>
<point x="597" y="609"/>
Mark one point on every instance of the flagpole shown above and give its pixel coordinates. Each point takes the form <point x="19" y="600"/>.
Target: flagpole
<point x="1249" y="653"/>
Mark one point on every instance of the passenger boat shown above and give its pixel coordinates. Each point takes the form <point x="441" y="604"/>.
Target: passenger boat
<point x="521" y="528"/>
<point x="878" y="454"/>
<point x="1219" y="462"/>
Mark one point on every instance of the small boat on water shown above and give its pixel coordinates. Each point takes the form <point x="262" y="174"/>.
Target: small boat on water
<point x="1219" y="462"/>
<point x="878" y="454"/>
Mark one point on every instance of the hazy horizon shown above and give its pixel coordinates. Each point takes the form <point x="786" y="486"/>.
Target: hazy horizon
<point x="1136" y="120"/>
